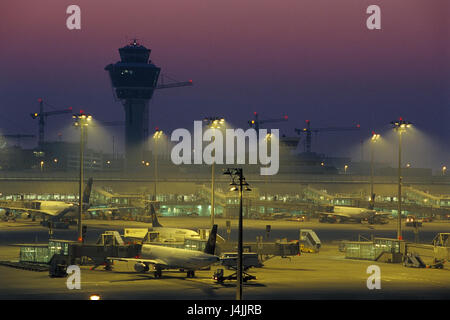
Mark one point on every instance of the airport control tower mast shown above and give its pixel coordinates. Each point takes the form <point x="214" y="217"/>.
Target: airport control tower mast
<point x="134" y="79"/>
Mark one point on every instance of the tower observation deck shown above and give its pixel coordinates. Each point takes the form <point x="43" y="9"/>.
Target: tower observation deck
<point x="134" y="78"/>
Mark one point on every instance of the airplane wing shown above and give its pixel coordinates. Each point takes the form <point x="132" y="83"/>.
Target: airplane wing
<point x="33" y="206"/>
<point x="108" y="208"/>
<point x="102" y="209"/>
<point x="155" y="262"/>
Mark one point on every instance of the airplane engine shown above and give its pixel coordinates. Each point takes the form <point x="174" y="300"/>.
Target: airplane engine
<point x="141" y="267"/>
<point x="25" y="215"/>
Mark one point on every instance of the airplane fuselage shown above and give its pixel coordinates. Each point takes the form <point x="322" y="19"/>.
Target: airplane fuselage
<point x="48" y="207"/>
<point x="354" y="212"/>
<point x="174" y="234"/>
<point x="344" y="214"/>
<point x="175" y="258"/>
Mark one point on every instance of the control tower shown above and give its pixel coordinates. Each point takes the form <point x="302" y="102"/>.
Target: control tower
<point x="134" y="78"/>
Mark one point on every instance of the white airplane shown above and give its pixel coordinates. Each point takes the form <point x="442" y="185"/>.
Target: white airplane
<point x="170" y="234"/>
<point x="54" y="210"/>
<point x="343" y="214"/>
<point x="162" y="257"/>
<point x="281" y="215"/>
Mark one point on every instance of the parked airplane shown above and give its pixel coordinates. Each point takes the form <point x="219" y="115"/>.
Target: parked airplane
<point x="52" y="209"/>
<point x="162" y="257"/>
<point x="343" y="214"/>
<point x="170" y="234"/>
<point x="281" y="215"/>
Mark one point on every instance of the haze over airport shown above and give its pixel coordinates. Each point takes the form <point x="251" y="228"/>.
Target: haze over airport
<point x="310" y="60"/>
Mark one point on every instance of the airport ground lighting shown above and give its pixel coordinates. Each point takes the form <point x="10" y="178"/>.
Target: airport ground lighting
<point x="81" y="120"/>
<point x="156" y="136"/>
<point x="214" y="123"/>
<point x="238" y="183"/>
<point x="400" y="126"/>
<point x="94" y="297"/>
<point x="373" y="140"/>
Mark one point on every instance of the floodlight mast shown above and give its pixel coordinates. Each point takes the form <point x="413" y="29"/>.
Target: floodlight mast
<point x="400" y="126"/>
<point x="213" y="123"/>
<point x="156" y="136"/>
<point x="81" y="120"/>
<point x="237" y="173"/>
<point x="373" y="140"/>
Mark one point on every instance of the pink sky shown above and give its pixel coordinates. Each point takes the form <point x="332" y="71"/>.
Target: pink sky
<point x="310" y="59"/>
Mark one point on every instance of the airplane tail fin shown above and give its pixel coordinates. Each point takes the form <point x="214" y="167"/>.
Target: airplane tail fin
<point x="371" y="203"/>
<point x="211" y="244"/>
<point x="155" y="222"/>
<point x="87" y="191"/>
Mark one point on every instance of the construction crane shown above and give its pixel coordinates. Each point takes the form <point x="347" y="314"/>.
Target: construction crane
<point x="173" y="84"/>
<point x="108" y="123"/>
<point x="256" y="122"/>
<point x="42" y="115"/>
<point x="308" y="131"/>
<point x="18" y="136"/>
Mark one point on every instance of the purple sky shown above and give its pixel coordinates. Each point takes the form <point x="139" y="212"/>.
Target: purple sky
<point x="309" y="59"/>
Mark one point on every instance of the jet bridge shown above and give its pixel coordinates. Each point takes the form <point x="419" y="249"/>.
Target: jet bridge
<point x="59" y="253"/>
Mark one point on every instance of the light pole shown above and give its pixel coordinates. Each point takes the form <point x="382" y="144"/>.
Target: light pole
<point x="444" y="169"/>
<point x="81" y="120"/>
<point x="240" y="185"/>
<point x="373" y="140"/>
<point x="213" y="123"/>
<point x="400" y="126"/>
<point x="157" y="135"/>
<point x="345" y="169"/>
